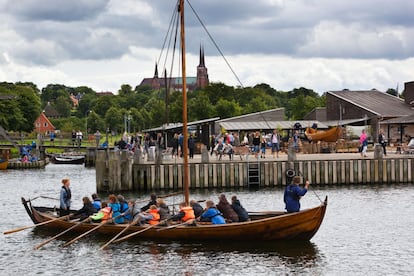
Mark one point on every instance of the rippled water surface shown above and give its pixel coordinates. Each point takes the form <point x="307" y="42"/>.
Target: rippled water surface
<point x="368" y="230"/>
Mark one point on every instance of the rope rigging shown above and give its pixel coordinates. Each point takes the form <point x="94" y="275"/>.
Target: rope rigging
<point x="173" y="32"/>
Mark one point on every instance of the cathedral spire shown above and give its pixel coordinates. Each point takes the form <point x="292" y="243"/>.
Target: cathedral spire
<point x="202" y="63"/>
<point x="156" y="70"/>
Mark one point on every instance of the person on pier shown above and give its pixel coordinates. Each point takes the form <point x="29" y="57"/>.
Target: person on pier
<point x="293" y="194"/>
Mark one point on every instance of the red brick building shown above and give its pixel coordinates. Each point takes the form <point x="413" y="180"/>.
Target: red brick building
<point x="176" y="83"/>
<point x="42" y="125"/>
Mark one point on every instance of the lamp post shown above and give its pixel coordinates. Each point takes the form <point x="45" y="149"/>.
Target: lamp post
<point x="86" y="122"/>
<point x="127" y="122"/>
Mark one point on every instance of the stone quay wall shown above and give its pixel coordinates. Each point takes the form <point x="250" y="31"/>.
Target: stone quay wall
<point x="119" y="171"/>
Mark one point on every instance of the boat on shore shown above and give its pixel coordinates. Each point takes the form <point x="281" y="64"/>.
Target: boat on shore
<point x="330" y="135"/>
<point x="263" y="226"/>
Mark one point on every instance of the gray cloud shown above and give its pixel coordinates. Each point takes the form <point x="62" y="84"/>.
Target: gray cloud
<point x="92" y="33"/>
<point x="55" y="10"/>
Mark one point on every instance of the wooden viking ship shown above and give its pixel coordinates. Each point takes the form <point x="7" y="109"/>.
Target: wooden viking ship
<point x="330" y="135"/>
<point x="262" y="226"/>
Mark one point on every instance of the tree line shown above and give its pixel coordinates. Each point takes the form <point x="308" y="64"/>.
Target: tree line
<point x="144" y="107"/>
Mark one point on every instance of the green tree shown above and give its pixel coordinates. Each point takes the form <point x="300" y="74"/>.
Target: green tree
<point x="114" y="119"/>
<point x="227" y="109"/>
<point x="53" y="91"/>
<point x="95" y="122"/>
<point x="103" y="104"/>
<point x="29" y="104"/>
<point x="199" y="107"/>
<point x="63" y="104"/>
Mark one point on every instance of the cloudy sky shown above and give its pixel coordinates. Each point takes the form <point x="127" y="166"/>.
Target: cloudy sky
<point x="318" y="44"/>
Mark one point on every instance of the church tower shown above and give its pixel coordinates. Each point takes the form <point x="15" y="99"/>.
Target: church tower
<point x="202" y="75"/>
<point x="155" y="84"/>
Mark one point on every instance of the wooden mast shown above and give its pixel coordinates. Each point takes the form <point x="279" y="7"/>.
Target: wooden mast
<point x="184" y="79"/>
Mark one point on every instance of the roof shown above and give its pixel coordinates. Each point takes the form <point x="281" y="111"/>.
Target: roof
<point x="267" y="115"/>
<point x="180" y="125"/>
<point x="375" y="101"/>
<point x="50" y="111"/>
<point x="268" y="125"/>
<point x="401" y="120"/>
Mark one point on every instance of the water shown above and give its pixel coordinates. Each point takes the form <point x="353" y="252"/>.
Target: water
<point x="368" y="230"/>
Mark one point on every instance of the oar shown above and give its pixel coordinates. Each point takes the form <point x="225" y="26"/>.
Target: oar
<point x="34" y="225"/>
<point x="198" y="201"/>
<point x="60" y="234"/>
<point x="119" y="234"/>
<point x="138" y="232"/>
<point x="90" y="231"/>
<point x="162" y="196"/>
<point x="176" y="225"/>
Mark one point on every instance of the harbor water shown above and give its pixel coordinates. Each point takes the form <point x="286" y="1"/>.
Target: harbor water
<point x="367" y="230"/>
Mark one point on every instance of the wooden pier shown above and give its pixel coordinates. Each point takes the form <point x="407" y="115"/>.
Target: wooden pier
<point x="118" y="171"/>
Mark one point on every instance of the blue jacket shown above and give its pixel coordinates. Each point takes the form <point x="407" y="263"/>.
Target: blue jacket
<point x="213" y="215"/>
<point x="116" y="211"/>
<point x="97" y="204"/>
<point x="123" y="208"/>
<point x="65" y="198"/>
<point x="292" y="196"/>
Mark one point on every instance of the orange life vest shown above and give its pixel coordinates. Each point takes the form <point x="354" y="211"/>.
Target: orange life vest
<point x="188" y="213"/>
<point x="155" y="216"/>
<point x="107" y="211"/>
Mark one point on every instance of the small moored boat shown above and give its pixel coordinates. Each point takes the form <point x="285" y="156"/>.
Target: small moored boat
<point x="68" y="159"/>
<point x="3" y="164"/>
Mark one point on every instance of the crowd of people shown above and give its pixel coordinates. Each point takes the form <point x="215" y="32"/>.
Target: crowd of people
<point x="118" y="210"/>
<point x="256" y="141"/>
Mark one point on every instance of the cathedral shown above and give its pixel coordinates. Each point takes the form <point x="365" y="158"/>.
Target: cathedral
<point x="193" y="83"/>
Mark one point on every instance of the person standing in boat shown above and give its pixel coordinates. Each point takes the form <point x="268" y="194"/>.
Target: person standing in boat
<point x="293" y="193"/>
<point x="65" y="197"/>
